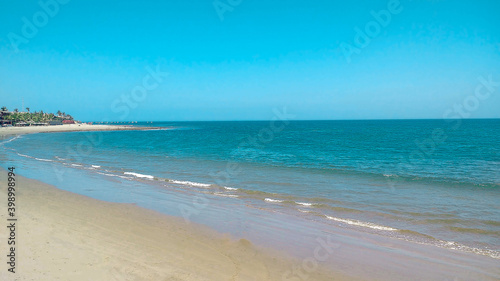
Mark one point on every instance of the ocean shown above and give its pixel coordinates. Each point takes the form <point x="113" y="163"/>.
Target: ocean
<point x="432" y="182"/>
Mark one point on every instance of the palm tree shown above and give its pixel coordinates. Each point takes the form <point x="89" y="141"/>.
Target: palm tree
<point x="58" y="113"/>
<point x="16" y="110"/>
<point x="4" y="108"/>
<point x="28" y="109"/>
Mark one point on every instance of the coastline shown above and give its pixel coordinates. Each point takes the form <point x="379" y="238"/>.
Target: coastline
<point x="63" y="235"/>
<point x="6" y="131"/>
<point x="371" y="257"/>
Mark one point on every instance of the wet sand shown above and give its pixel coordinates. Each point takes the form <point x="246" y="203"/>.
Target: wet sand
<point x="65" y="236"/>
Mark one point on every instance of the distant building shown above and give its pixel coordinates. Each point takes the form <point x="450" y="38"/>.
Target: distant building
<point x="4" y="113"/>
<point x="21" y="124"/>
<point x="55" y="122"/>
<point x="68" y="122"/>
<point x="5" y="123"/>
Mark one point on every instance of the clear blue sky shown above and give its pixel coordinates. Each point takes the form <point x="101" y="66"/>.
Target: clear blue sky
<point x="262" y="55"/>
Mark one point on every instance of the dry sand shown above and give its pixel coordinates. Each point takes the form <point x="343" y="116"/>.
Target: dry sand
<point x="4" y="131"/>
<point x="66" y="236"/>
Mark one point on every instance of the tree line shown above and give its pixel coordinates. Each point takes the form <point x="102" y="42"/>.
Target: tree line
<point x="38" y="116"/>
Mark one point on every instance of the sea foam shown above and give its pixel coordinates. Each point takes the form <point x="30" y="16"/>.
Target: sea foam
<point x="46" y="160"/>
<point x="225" y="195"/>
<point x="363" y="224"/>
<point x="273" y="200"/>
<point x="190" y="183"/>
<point x="137" y="175"/>
<point x="304" y="204"/>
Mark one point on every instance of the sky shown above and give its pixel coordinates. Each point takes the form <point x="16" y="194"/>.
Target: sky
<point x="243" y="60"/>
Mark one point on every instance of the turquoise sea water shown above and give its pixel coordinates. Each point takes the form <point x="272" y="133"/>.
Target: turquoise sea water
<point x="428" y="181"/>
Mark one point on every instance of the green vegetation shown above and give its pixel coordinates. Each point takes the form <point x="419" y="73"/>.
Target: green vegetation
<point x="32" y="117"/>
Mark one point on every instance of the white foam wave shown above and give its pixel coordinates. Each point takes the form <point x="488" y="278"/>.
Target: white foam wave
<point x="95" y="166"/>
<point x="111" y="175"/>
<point x="457" y="246"/>
<point x="304" y="204"/>
<point x="59" y="158"/>
<point x="190" y="183"/>
<point x="226" y="195"/>
<point x="23" y="155"/>
<point x="230" y="188"/>
<point x="273" y="200"/>
<point x="363" y="224"/>
<point x="76" y="165"/>
<point x="14" y="138"/>
<point x="140" y="175"/>
<point x="46" y="160"/>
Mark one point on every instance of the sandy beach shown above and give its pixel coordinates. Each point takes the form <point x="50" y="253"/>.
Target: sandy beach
<point x="5" y="131"/>
<point x="62" y="235"/>
<point x="65" y="236"/>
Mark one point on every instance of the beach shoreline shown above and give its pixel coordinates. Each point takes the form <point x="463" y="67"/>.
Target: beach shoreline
<point x="66" y="236"/>
<point x="69" y="217"/>
<point x="8" y="131"/>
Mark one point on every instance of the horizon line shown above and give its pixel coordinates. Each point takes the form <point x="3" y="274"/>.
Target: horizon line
<point x="301" y="120"/>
